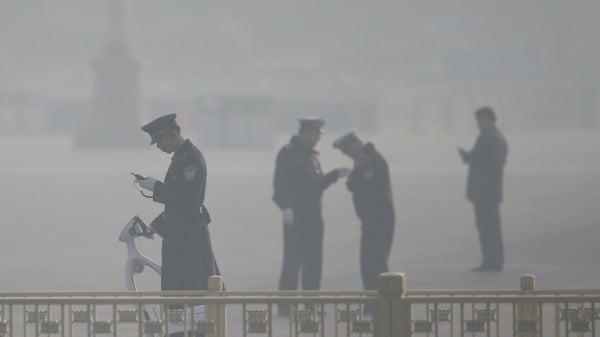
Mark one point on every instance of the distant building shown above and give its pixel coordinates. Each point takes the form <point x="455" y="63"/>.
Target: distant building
<point x="521" y="106"/>
<point x="224" y="122"/>
<point x="340" y="115"/>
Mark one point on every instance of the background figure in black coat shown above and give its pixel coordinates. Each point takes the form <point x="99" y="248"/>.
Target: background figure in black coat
<point x="371" y="190"/>
<point x="298" y="187"/>
<point x="484" y="187"/>
<point x="187" y="257"/>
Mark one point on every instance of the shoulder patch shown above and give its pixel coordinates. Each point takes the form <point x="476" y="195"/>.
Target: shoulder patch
<point x="190" y="172"/>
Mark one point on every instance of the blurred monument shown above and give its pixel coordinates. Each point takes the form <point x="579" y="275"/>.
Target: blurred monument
<point x="115" y="118"/>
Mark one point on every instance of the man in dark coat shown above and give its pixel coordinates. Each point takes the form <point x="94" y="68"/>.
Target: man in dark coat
<point x="187" y="256"/>
<point x="371" y="190"/>
<point x="484" y="187"/>
<point x="298" y="187"/>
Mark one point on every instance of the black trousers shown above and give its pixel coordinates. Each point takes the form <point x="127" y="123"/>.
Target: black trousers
<point x="302" y="251"/>
<point x="487" y="218"/>
<point x="375" y="246"/>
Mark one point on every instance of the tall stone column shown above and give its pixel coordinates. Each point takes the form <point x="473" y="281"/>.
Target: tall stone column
<point x="115" y="119"/>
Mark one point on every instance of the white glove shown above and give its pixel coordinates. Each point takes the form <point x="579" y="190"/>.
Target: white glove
<point x="343" y="172"/>
<point x="147" y="183"/>
<point x="288" y="216"/>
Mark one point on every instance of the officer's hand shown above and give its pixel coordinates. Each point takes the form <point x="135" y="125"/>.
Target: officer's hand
<point x="288" y="216"/>
<point x="343" y="172"/>
<point x="146" y="183"/>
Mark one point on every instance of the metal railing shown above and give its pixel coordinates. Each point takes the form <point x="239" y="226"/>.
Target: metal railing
<point x="389" y="311"/>
<point x="524" y="313"/>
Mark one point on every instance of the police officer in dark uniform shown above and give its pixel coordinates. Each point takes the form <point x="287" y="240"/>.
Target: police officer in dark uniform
<point x="484" y="187"/>
<point x="298" y="187"/>
<point x="187" y="256"/>
<point x="371" y="190"/>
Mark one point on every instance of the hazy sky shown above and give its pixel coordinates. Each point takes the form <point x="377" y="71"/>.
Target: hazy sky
<point x="192" y="46"/>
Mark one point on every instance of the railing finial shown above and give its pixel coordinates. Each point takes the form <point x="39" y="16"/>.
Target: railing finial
<point x="392" y="284"/>
<point x="215" y="283"/>
<point x="528" y="282"/>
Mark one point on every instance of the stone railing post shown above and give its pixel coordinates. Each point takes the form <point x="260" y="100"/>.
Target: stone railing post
<point x="392" y="314"/>
<point x="527" y="313"/>
<point x="216" y="312"/>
